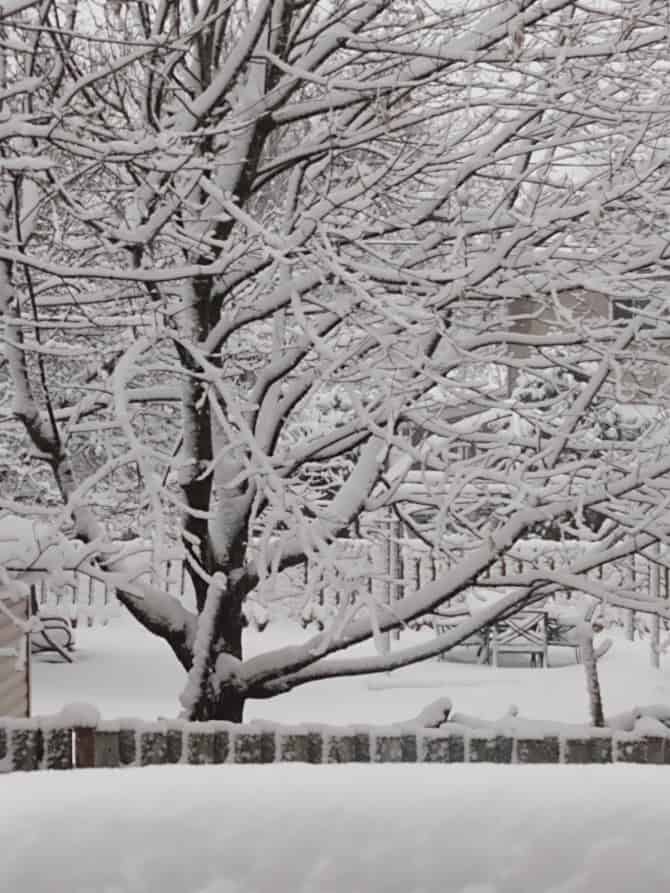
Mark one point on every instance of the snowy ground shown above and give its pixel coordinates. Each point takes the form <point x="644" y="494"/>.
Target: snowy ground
<point x="127" y="672"/>
<point x="337" y="829"/>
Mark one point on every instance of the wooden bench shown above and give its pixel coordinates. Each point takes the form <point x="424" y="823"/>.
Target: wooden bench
<point x="448" y="619"/>
<point x="55" y="636"/>
<point x="522" y="633"/>
<point x="530" y="631"/>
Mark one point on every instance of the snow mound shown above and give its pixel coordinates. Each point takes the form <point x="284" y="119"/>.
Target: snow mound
<point x="79" y="715"/>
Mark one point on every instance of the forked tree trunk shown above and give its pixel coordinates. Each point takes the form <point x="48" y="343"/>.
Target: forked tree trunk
<point x="214" y="690"/>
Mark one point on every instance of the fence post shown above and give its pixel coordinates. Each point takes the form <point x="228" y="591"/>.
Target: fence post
<point x="84" y="747"/>
<point x="655" y="592"/>
<point x="655" y="655"/>
<point x="91" y="603"/>
<point x="629" y="616"/>
<point x="396" y="564"/>
<point x="629" y="623"/>
<point x="416" y="572"/>
<point x="381" y="586"/>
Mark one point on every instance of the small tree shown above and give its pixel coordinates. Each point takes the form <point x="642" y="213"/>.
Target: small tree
<point x="217" y="217"/>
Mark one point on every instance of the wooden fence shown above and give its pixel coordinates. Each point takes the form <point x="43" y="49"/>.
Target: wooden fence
<point x="90" y="601"/>
<point x="393" y="566"/>
<point x="14" y="658"/>
<point x="27" y="745"/>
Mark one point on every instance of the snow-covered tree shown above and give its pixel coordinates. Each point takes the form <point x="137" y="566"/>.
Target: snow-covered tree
<point x="273" y="268"/>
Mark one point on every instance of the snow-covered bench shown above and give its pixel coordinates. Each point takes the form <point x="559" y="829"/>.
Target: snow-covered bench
<point x="54" y="636"/>
<point x="446" y="619"/>
<point x="530" y="631"/>
<point x="523" y="633"/>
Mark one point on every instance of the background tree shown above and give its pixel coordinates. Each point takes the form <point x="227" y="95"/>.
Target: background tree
<point x="218" y="217"/>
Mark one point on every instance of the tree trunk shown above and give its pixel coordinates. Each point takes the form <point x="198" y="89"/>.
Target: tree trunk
<point x="215" y="690"/>
<point x="227" y="704"/>
<point x="585" y="638"/>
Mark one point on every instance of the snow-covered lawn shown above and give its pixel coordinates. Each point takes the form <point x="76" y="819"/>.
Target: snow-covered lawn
<point x="127" y="672"/>
<point x="337" y="829"/>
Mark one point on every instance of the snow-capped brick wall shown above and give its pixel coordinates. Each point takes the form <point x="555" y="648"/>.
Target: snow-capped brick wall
<point x="50" y="744"/>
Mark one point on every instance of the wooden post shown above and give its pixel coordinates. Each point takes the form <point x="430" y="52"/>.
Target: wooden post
<point x="655" y="650"/>
<point x="14" y="657"/>
<point x="91" y="603"/>
<point x="74" y="615"/>
<point x="629" y="616"/>
<point x="84" y="747"/>
<point x="655" y="592"/>
<point x="416" y="569"/>
<point x="396" y="564"/>
<point x="629" y="623"/>
<point x="381" y="587"/>
<point x="108" y="598"/>
<point x="183" y="574"/>
<point x="29" y="657"/>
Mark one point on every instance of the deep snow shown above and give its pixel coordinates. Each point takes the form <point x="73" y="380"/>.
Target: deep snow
<point x="337" y="829"/>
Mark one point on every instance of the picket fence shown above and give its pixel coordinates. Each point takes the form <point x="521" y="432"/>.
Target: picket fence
<point x="90" y="601"/>
<point x="398" y="565"/>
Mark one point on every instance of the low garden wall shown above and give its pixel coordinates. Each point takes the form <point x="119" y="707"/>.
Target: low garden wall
<point x="52" y="744"/>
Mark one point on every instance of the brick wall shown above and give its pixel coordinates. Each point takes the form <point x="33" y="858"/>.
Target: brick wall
<point x="33" y="744"/>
